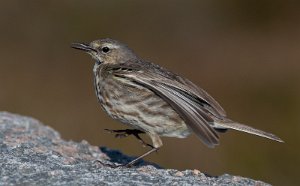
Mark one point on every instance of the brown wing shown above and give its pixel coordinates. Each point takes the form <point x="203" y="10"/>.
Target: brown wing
<point x="193" y="109"/>
<point x="190" y="113"/>
<point x="196" y="93"/>
<point x="210" y="103"/>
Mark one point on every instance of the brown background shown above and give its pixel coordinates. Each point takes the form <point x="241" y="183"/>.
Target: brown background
<point x="244" y="53"/>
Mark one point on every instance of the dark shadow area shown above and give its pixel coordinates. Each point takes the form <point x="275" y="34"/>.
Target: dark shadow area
<point x="117" y="157"/>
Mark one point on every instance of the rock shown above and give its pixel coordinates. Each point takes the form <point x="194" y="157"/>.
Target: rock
<point x="34" y="154"/>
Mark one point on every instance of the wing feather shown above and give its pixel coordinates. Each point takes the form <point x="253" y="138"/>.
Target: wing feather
<point x="190" y="113"/>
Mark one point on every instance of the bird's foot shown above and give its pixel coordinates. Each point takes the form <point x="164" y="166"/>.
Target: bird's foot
<point x="115" y="165"/>
<point x="127" y="132"/>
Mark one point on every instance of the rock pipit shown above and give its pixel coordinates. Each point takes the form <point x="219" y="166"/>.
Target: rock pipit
<point x="153" y="100"/>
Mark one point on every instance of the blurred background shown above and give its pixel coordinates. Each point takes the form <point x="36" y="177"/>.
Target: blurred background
<point x="246" y="54"/>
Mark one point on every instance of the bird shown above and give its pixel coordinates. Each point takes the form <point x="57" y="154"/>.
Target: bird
<point x="153" y="100"/>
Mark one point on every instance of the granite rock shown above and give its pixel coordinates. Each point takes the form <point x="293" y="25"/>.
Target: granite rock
<point x="34" y="154"/>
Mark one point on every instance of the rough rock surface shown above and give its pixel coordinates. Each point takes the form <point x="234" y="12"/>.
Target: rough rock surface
<point x="34" y="154"/>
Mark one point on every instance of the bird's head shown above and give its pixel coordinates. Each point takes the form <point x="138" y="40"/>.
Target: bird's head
<point x="107" y="51"/>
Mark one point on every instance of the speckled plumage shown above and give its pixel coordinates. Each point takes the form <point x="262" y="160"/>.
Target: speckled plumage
<point x="136" y="105"/>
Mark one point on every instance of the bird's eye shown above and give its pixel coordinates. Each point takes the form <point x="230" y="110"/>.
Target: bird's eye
<point x="105" y="49"/>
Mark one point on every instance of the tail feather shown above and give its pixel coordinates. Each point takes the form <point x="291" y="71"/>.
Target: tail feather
<point x="247" y="129"/>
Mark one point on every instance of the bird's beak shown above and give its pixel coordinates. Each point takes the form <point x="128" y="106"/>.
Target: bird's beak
<point x="83" y="46"/>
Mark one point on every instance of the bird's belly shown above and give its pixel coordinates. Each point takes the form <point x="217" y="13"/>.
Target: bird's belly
<point x="140" y="108"/>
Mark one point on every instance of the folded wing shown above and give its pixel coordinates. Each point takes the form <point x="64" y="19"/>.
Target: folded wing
<point x="194" y="109"/>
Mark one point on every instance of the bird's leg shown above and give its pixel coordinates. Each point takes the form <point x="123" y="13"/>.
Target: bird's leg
<point x="128" y="132"/>
<point x="131" y="163"/>
<point x="142" y="141"/>
<point x="157" y="143"/>
<point x="122" y="133"/>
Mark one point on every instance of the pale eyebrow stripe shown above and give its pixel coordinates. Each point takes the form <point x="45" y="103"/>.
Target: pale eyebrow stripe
<point x="112" y="45"/>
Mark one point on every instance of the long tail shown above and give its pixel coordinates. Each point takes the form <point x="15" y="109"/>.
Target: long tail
<point x="247" y="129"/>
